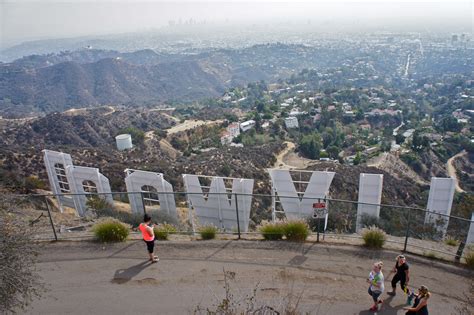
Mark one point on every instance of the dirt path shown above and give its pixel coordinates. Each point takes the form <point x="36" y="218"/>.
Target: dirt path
<point x="168" y="148"/>
<point x="76" y="111"/>
<point x="111" y="111"/>
<point x="190" y="124"/>
<point x="93" y="278"/>
<point x="176" y="120"/>
<point x="288" y="159"/>
<point x="452" y="170"/>
<point x="290" y="146"/>
<point x="149" y="135"/>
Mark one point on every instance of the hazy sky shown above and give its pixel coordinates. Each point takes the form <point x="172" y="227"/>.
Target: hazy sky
<point x="22" y="20"/>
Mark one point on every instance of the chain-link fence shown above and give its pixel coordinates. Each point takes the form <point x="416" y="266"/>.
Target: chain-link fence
<point x="56" y="217"/>
<point x="33" y="212"/>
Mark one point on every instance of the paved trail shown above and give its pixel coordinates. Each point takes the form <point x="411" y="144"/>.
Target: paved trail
<point x="90" y="278"/>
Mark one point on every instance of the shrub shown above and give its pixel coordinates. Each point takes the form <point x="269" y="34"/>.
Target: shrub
<point x="33" y="182"/>
<point x="296" y="231"/>
<point x="272" y="231"/>
<point x="373" y="237"/>
<point x="111" y="230"/>
<point x="20" y="281"/>
<point x="450" y="241"/>
<point x="163" y="230"/>
<point x="469" y="257"/>
<point x="98" y="204"/>
<point x="208" y="232"/>
<point x="430" y="255"/>
<point x="368" y="220"/>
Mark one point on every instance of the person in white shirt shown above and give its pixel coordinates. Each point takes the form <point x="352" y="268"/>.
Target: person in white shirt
<point x="376" y="287"/>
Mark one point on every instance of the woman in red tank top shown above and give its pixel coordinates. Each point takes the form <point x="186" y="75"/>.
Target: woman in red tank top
<point x="148" y="236"/>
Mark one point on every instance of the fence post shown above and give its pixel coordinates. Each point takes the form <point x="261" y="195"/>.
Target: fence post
<point x="237" y="213"/>
<point x="407" y="233"/>
<point x="458" y="256"/>
<point x="50" y="218"/>
<point x="318" y="224"/>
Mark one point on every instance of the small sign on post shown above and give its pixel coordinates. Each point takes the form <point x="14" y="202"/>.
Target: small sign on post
<point x="319" y="210"/>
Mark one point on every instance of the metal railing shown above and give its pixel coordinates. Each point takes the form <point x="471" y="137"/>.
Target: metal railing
<point x="405" y="226"/>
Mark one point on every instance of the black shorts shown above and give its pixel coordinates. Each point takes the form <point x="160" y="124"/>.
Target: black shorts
<point x="402" y="280"/>
<point x="150" y="245"/>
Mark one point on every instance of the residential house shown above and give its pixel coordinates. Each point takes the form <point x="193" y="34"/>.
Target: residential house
<point x="247" y="125"/>
<point x="291" y="122"/>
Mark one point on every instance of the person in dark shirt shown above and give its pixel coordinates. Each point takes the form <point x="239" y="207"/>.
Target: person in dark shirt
<point x="402" y="274"/>
<point x="421" y="302"/>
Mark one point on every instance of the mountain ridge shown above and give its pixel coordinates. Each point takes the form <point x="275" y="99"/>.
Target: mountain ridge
<point x="84" y="78"/>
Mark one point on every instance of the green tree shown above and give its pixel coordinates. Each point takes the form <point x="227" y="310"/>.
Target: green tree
<point x="419" y="142"/>
<point x="310" y="145"/>
<point x="399" y="138"/>
<point x="450" y="123"/>
<point x="258" y="122"/>
<point x="333" y="151"/>
<point x="231" y="117"/>
<point x="260" y="106"/>
<point x="238" y="139"/>
<point x="327" y="137"/>
<point x="385" y="147"/>
<point x="357" y="159"/>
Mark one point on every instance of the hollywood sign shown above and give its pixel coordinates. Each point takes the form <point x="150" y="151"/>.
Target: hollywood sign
<point x="216" y="200"/>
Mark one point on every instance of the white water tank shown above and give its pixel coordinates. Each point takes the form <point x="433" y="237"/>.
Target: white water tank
<point x="124" y="141"/>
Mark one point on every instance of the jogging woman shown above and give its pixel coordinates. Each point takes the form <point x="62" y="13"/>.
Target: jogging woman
<point x="376" y="287"/>
<point x="421" y="302"/>
<point x="148" y="236"/>
<point x="402" y="274"/>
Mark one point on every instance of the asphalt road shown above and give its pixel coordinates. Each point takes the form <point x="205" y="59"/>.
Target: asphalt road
<point x="91" y="278"/>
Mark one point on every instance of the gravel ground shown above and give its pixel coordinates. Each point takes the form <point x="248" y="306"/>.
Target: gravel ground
<point x="91" y="278"/>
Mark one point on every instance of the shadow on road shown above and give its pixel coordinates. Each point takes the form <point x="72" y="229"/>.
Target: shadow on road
<point x="125" y="275"/>
<point x="123" y="249"/>
<point x="387" y="308"/>
<point x="219" y="250"/>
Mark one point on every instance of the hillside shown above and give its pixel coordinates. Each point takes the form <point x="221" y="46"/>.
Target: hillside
<point x="107" y="81"/>
<point x="88" y="135"/>
<point x="84" y="78"/>
<point x="89" y="138"/>
<point x="92" y="128"/>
